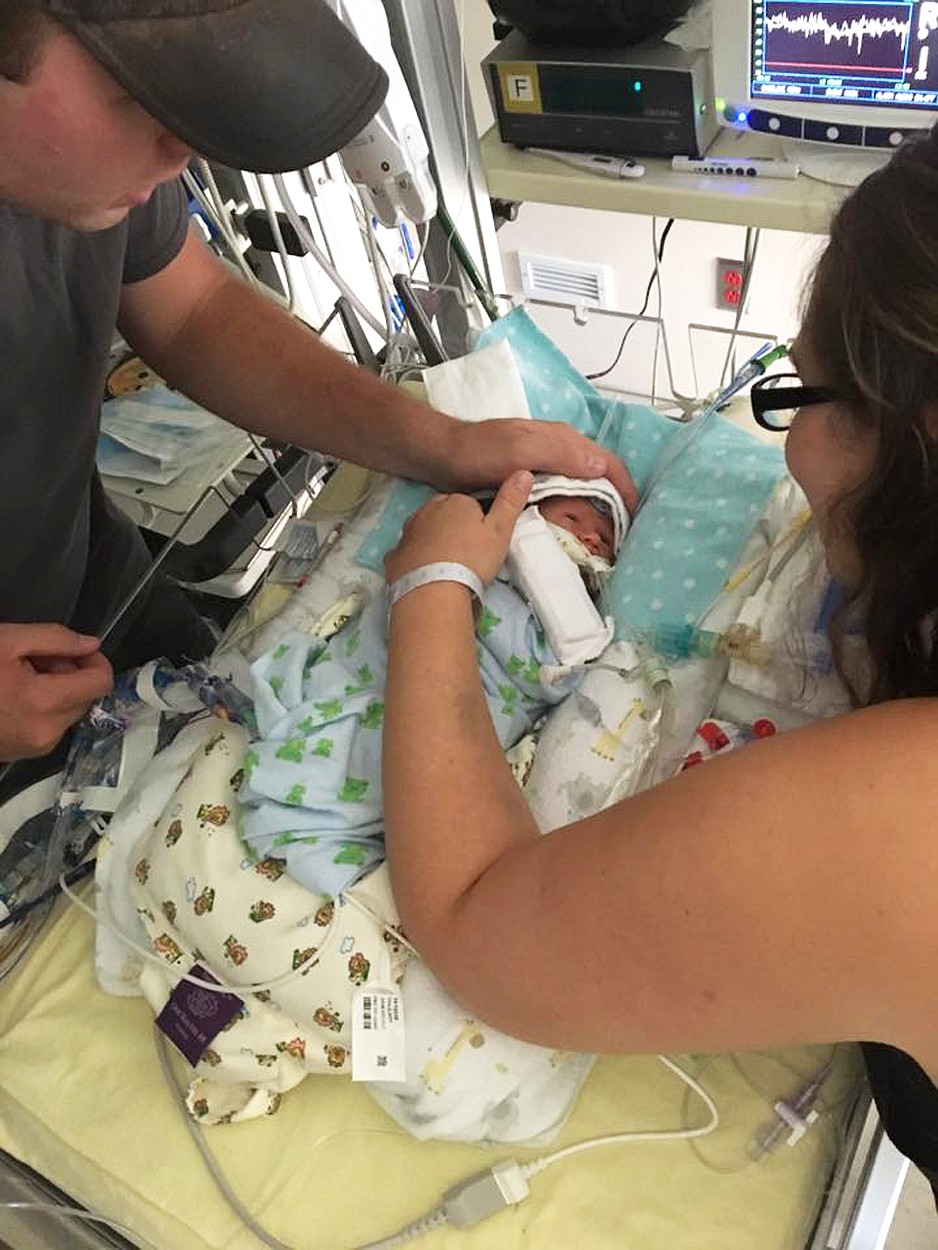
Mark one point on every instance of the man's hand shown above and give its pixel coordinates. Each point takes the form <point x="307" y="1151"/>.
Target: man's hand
<point x="486" y="452"/>
<point x="49" y="677"/>
<point x="454" y="527"/>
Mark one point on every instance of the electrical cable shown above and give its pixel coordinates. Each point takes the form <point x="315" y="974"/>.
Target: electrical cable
<point x="506" y="1182"/>
<point x="375" y="255"/>
<point x="278" y="240"/>
<point x="483" y="294"/>
<point x="141" y="584"/>
<point x="275" y="470"/>
<point x="328" y="268"/>
<point x="652" y="281"/>
<point x="208" y="1158"/>
<point x="423" y="233"/>
<point x="750" y="250"/>
<point x="213" y="987"/>
<point x="462" y="122"/>
<point x="309" y="186"/>
<point x="401" y="351"/>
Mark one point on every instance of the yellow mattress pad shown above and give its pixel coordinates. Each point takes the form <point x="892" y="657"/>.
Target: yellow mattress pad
<point x="83" y="1101"/>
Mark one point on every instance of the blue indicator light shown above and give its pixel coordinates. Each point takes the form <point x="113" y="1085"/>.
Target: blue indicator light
<point x="742" y="118"/>
<point x="637" y="84"/>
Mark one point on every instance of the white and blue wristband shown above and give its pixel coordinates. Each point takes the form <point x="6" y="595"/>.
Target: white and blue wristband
<point x="441" y="571"/>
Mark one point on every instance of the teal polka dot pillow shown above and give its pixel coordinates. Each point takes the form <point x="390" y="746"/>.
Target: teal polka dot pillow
<point x="708" y="486"/>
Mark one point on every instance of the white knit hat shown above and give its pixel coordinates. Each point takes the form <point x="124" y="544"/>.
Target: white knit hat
<point x="599" y="490"/>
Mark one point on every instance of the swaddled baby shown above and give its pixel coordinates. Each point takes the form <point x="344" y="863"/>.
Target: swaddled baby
<point x="312" y="792"/>
<point x="272" y="861"/>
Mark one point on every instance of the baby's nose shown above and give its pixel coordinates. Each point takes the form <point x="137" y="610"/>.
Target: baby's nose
<point x="592" y="542"/>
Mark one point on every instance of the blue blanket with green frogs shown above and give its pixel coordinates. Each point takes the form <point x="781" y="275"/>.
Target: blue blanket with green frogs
<point x="312" y="791"/>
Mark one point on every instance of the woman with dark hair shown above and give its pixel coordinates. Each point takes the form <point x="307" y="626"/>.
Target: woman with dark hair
<point x="787" y="893"/>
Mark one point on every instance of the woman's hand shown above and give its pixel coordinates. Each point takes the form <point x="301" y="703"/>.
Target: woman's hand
<point x="454" y="527"/>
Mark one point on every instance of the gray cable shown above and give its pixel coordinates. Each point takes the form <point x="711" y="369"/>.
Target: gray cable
<point x="222" y="221"/>
<point x="278" y="239"/>
<point x="208" y="1158"/>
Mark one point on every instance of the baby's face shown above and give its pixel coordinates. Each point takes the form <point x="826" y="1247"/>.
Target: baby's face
<point x="594" y="530"/>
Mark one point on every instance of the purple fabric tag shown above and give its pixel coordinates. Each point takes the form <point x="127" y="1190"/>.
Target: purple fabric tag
<point x="193" y="1018"/>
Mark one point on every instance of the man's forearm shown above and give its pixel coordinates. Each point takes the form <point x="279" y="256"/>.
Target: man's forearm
<point x="241" y="356"/>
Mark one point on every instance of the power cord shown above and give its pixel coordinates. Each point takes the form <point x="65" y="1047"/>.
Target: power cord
<point x="750" y="251"/>
<point x="322" y="260"/>
<point x="279" y="242"/>
<point x="654" y="278"/>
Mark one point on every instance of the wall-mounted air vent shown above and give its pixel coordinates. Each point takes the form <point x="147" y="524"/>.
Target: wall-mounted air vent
<point x="567" y="281"/>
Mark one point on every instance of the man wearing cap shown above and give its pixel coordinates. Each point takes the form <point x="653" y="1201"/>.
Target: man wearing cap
<point x="102" y="104"/>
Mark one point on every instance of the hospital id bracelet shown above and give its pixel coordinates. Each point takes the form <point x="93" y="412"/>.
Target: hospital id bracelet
<point x="442" y="571"/>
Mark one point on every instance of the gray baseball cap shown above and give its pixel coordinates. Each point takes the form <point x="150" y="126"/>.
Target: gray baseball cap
<point x="262" y="85"/>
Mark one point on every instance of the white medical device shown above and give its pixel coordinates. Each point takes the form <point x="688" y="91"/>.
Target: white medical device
<point x="390" y="160"/>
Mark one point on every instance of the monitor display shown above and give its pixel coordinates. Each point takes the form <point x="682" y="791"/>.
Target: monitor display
<point x="881" y="53"/>
<point x="828" y="71"/>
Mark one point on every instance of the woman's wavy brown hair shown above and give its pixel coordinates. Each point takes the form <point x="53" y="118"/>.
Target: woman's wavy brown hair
<point x="23" y="26"/>
<point x="872" y="319"/>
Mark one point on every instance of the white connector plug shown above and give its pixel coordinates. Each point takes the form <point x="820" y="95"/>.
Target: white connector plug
<point x="482" y="1195"/>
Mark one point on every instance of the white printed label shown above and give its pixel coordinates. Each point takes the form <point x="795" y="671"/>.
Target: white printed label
<point x="521" y="88"/>
<point x="378" y="1035"/>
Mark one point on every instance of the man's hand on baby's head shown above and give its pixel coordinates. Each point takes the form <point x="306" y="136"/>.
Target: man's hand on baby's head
<point x="488" y="451"/>
<point x="454" y="527"/>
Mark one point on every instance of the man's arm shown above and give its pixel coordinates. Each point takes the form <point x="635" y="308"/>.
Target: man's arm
<point x="235" y="352"/>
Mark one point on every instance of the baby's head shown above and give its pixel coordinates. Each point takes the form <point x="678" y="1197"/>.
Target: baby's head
<point x="590" y="510"/>
<point x="587" y="518"/>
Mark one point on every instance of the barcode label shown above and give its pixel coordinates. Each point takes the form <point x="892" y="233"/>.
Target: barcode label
<point x="378" y="1038"/>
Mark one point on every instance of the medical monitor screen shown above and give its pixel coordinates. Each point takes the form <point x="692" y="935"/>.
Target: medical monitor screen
<point x="881" y="53"/>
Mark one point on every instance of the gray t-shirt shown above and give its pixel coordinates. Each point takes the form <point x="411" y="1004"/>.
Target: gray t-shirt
<point x="66" y="555"/>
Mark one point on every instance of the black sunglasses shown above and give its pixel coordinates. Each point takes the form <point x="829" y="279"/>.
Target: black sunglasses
<point x="777" y="397"/>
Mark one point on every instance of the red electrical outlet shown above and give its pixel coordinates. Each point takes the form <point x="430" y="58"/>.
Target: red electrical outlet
<point x="730" y="280"/>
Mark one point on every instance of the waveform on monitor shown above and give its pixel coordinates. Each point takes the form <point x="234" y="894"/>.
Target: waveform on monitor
<point x="853" y="31"/>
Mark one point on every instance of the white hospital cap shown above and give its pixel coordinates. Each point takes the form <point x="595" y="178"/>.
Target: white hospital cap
<point x="599" y="490"/>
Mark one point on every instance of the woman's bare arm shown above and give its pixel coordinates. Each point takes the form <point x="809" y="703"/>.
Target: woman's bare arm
<point x="784" y="894"/>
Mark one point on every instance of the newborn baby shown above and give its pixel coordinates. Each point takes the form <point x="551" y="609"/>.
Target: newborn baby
<point x="312" y="792"/>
